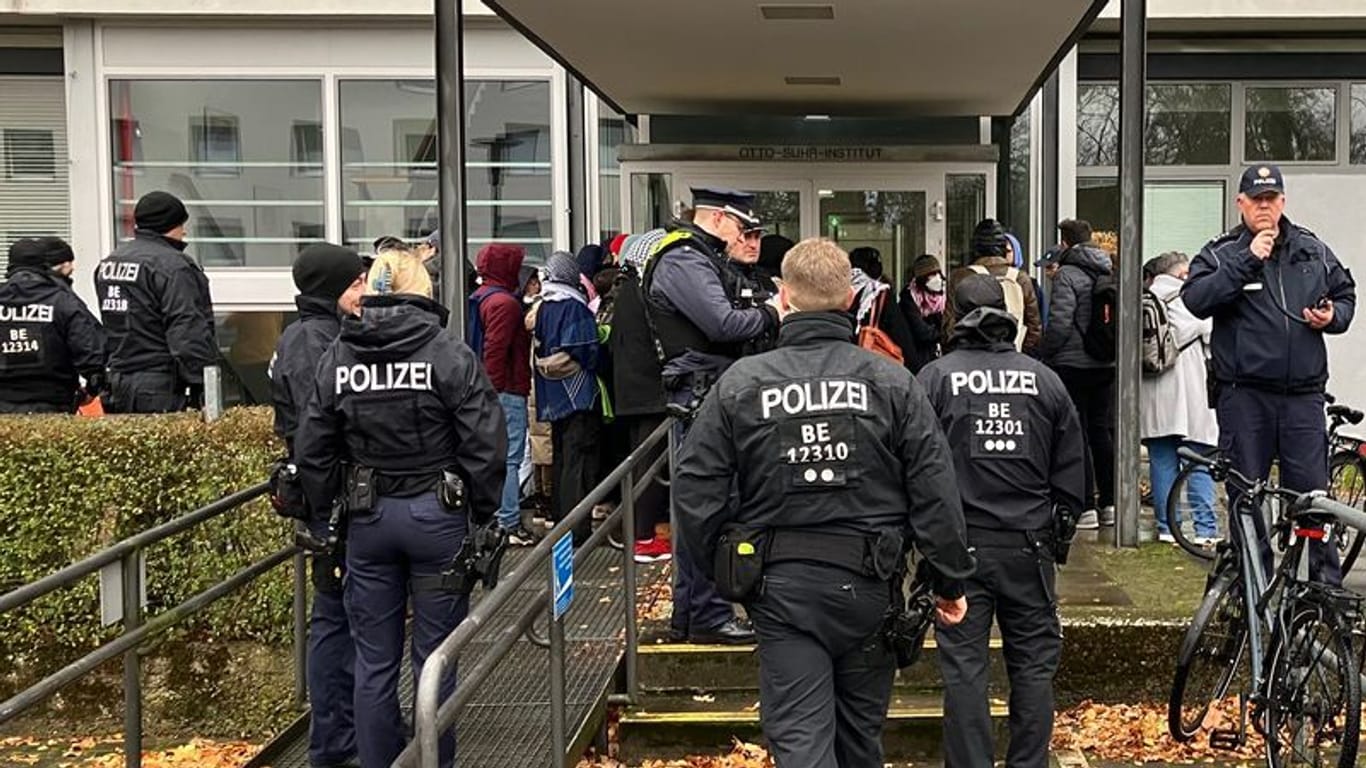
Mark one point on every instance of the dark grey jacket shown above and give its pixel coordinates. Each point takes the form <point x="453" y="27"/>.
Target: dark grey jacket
<point x="294" y="368"/>
<point x="1069" y="308"/>
<point x="820" y="435"/>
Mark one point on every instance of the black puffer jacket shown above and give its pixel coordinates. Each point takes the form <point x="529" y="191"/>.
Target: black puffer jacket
<point x="1069" y="308"/>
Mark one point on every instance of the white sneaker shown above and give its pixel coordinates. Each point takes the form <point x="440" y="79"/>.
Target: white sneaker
<point x="1166" y="538"/>
<point x="1088" y="521"/>
<point x="1207" y="541"/>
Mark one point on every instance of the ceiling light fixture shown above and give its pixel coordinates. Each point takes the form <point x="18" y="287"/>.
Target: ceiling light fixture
<point x="816" y="117"/>
<point x="797" y="12"/>
<point x="800" y="80"/>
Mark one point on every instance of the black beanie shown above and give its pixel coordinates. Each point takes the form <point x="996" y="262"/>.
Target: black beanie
<point x="160" y="212"/>
<point x="43" y="252"/>
<point x="325" y="270"/>
<point x="988" y="238"/>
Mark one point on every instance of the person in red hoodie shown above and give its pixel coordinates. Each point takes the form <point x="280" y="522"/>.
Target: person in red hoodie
<point x="499" y="336"/>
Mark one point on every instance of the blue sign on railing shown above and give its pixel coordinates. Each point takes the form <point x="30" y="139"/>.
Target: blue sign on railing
<point x="562" y="563"/>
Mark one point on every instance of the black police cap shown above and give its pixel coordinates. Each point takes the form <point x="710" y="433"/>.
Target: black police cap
<point x="1261" y="179"/>
<point x="732" y="201"/>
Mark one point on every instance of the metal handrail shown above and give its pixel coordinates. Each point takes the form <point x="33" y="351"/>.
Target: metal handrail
<point x="128" y="553"/>
<point x="432" y="716"/>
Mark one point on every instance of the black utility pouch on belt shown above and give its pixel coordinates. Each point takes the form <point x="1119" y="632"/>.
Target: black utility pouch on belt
<point x="739" y="563"/>
<point x="451" y="491"/>
<point x="909" y="616"/>
<point x="360" y="490"/>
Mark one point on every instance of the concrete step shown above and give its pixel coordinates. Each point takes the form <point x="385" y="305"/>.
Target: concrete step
<point x="671" y="726"/>
<point x="686" y="667"/>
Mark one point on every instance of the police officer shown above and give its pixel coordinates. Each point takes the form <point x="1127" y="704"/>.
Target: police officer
<point x="48" y="338"/>
<point x="838" y="466"/>
<point x="1274" y="289"/>
<point x="156" y="307"/>
<point x="402" y="412"/>
<point x="331" y="281"/>
<point x="1017" y="449"/>
<point x="701" y="321"/>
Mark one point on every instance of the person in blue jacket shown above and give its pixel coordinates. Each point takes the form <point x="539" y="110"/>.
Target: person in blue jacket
<point x="1274" y="289"/>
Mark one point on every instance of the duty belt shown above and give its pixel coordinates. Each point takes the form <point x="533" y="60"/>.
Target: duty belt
<point x="866" y="555"/>
<point x="996" y="537"/>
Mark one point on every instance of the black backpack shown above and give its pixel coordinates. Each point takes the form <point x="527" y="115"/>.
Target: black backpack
<point x="1098" y="336"/>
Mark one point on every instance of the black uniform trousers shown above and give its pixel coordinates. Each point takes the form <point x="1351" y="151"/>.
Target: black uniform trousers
<point x="1093" y="392"/>
<point x="825" y="671"/>
<point x="574" y="460"/>
<point x="1014" y="585"/>
<point x="1256" y="427"/>
<point x="653" y="505"/>
<point x="145" y="392"/>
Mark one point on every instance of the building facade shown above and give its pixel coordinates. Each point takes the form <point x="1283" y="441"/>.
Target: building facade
<point x="284" y="127"/>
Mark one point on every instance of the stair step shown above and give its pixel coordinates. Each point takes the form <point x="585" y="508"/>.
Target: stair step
<point x="671" y="726"/>
<point x="686" y="667"/>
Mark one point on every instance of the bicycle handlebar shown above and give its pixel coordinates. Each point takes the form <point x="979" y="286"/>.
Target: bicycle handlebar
<point x="1319" y="503"/>
<point x="1220" y="468"/>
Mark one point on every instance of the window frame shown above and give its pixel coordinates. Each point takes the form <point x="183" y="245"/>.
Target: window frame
<point x="1240" y="137"/>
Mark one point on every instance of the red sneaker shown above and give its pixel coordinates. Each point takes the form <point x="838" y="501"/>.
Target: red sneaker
<point x="653" y="550"/>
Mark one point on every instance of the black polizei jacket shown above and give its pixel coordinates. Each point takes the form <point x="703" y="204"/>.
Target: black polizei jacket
<point x="821" y="435"/>
<point x="294" y="368"/>
<point x="47" y="338"/>
<point x="1014" y="433"/>
<point x="156" y="307"/>
<point x="399" y="394"/>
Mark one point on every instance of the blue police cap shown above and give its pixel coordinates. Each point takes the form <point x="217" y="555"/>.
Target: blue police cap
<point x="1261" y="179"/>
<point x="732" y="201"/>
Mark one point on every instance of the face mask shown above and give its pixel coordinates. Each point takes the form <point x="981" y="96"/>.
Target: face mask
<point x="935" y="284"/>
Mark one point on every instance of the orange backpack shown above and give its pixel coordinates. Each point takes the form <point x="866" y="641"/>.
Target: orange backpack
<point x="873" y="338"/>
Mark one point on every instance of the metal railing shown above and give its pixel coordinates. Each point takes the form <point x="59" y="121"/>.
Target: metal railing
<point x="137" y="628"/>
<point x="434" y="717"/>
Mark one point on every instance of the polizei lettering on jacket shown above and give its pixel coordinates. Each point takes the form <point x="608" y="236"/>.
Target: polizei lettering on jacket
<point x="119" y="271"/>
<point x="994" y="382"/>
<point x="803" y="397"/>
<point x="383" y="377"/>
<point x="26" y="313"/>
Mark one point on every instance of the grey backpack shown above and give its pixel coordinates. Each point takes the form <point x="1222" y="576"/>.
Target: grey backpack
<point x="1160" y="349"/>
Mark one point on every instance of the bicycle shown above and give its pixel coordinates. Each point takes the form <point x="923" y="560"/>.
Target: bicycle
<point x="1288" y="642"/>
<point x="1347" y="483"/>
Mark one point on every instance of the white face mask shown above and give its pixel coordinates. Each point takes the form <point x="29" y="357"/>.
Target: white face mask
<point x="935" y="284"/>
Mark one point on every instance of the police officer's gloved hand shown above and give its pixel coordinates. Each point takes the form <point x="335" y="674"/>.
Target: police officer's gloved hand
<point x="95" y="385"/>
<point x="196" y="397"/>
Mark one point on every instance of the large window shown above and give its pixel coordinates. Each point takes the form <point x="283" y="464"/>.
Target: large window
<point x="1177" y="215"/>
<point x="230" y="150"/>
<point x="388" y="144"/>
<point x="613" y="131"/>
<point x="1289" y="124"/>
<point x="1358" y="143"/>
<point x="1187" y="124"/>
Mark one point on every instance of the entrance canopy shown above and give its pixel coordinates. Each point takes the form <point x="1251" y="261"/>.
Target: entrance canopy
<point x="847" y="57"/>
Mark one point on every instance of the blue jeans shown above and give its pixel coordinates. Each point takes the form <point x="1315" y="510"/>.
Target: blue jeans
<point x="1163" y="465"/>
<point x="514" y="412"/>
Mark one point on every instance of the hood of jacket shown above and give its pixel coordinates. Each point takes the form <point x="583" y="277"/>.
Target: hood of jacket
<point x="1088" y="257"/>
<point x="313" y="306"/>
<point x="36" y="276"/>
<point x="393" y="326"/>
<point x="986" y="327"/>
<point x="1166" y="287"/>
<point x="501" y="265"/>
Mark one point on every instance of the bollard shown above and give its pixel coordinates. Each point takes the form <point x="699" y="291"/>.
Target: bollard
<point x="213" y="393"/>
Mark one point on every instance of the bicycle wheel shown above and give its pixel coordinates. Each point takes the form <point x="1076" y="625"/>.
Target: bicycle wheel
<point x="1209" y="657"/>
<point x="1347" y="483"/>
<point x="1182" y="506"/>
<point x="1314" y="707"/>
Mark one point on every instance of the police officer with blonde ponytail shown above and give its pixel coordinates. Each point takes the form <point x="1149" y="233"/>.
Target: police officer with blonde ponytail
<point x="405" y="429"/>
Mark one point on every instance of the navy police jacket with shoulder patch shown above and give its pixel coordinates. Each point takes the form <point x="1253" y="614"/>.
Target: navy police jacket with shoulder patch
<point x="399" y="394"/>
<point x="819" y="434"/>
<point x="1260" y="340"/>
<point x="1014" y="433"/>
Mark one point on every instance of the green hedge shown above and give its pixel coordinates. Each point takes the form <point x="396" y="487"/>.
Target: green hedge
<point x="70" y="487"/>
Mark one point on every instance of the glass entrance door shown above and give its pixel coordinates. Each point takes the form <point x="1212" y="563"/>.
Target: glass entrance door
<point x="893" y="222"/>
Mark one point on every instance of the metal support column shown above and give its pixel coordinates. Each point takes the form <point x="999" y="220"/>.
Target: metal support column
<point x="578" y="163"/>
<point x="1048" y="165"/>
<point x="628" y="568"/>
<point x="300" y="629"/>
<point x="132" y="662"/>
<point x="559" y="739"/>
<point x="450" y="126"/>
<point x="1132" y="86"/>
